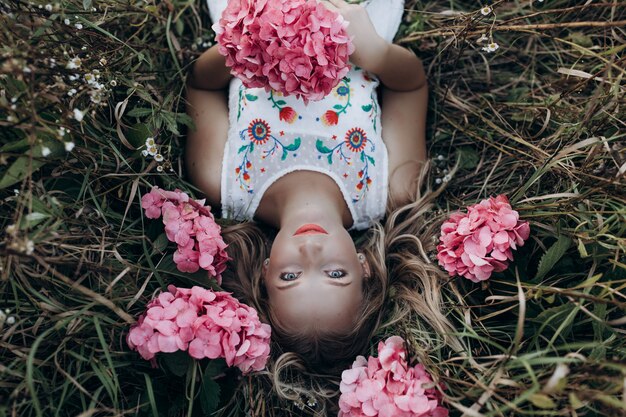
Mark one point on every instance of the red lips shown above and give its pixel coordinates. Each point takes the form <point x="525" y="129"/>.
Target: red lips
<point x="310" y="229"/>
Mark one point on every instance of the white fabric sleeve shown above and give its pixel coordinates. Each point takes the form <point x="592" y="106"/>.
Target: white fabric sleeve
<point x="216" y="7"/>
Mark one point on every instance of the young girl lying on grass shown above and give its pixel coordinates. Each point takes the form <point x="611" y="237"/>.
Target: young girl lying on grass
<point x="302" y="176"/>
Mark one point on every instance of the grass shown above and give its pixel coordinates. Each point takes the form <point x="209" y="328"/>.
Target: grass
<point x="540" y="119"/>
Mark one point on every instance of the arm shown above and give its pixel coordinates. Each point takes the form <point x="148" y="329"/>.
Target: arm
<point x="398" y="68"/>
<point x="209" y="72"/>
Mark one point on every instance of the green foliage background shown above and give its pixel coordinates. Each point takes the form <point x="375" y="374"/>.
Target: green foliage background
<point x="541" y="119"/>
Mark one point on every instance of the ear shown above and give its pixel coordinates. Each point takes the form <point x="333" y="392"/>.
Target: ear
<point x="365" y="265"/>
<point x="265" y="267"/>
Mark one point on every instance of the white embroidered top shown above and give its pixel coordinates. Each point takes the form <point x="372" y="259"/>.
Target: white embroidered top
<point x="271" y="135"/>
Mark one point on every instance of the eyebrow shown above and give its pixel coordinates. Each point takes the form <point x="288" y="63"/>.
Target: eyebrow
<point x="333" y="282"/>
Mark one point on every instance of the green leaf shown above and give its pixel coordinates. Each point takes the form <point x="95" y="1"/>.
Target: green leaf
<point x="574" y="401"/>
<point x="170" y="123"/>
<point x="185" y="119"/>
<point x="251" y="97"/>
<point x="367" y="107"/>
<point x="140" y="112"/>
<point x="369" y="158"/>
<point x="552" y="256"/>
<point x="20" y="145"/>
<point x="338" y="107"/>
<point x="210" y="390"/>
<point x="330" y="158"/>
<point x="542" y="401"/>
<point x="362" y="157"/>
<point x="281" y="102"/>
<point x="87" y="4"/>
<point x="160" y="244"/>
<point x="295" y="145"/>
<point x="468" y="157"/>
<point x="209" y="396"/>
<point x="284" y="156"/>
<point x="319" y="145"/>
<point x="137" y="134"/>
<point x="243" y="148"/>
<point x="19" y="170"/>
<point x="177" y="362"/>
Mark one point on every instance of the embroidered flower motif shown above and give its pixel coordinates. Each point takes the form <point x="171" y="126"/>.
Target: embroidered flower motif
<point x="259" y="131"/>
<point x="288" y="114"/>
<point x="342" y="92"/>
<point x="330" y="118"/>
<point x="356" y="139"/>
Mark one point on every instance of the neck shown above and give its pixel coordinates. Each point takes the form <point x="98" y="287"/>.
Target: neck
<point x="290" y="203"/>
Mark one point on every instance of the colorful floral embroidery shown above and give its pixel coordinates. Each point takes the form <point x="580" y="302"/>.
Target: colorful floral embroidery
<point x="243" y="100"/>
<point x="285" y="113"/>
<point x="342" y="92"/>
<point x="259" y="133"/>
<point x="355" y="141"/>
<point x="372" y="108"/>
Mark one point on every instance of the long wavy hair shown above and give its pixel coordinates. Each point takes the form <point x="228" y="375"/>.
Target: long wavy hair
<point x="404" y="286"/>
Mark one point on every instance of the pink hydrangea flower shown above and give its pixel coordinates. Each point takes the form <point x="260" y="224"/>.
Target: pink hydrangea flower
<point x="297" y="47"/>
<point x="475" y="244"/>
<point x="192" y="227"/>
<point x="206" y="323"/>
<point x="387" y="387"/>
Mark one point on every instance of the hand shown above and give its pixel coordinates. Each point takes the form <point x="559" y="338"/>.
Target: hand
<point x="369" y="48"/>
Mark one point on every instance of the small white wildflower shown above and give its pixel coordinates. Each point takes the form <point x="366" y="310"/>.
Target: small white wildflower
<point x="144" y="153"/>
<point x="98" y="86"/>
<point x="30" y="247"/>
<point x="66" y="21"/>
<point x="446" y="178"/>
<point x="13" y="106"/>
<point x="62" y="131"/>
<point x="52" y="62"/>
<point x="437" y="180"/>
<point x="13" y="99"/>
<point x="7" y="310"/>
<point x="93" y="9"/>
<point x="445" y="171"/>
<point x="10" y="320"/>
<point x="150" y="142"/>
<point x="83" y="48"/>
<point x="71" y="92"/>
<point x="440" y="157"/>
<point x="74" y="63"/>
<point x="89" y="78"/>
<point x="492" y="47"/>
<point x="27" y="69"/>
<point x="40" y="6"/>
<point x="96" y="72"/>
<point x="160" y="168"/>
<point x="158" y="157"/>
<point x="78" y="26"/>
<point x="11" y="229"/>
<point x="103" y="61"/>
<point x="72" y="77"/>
<point x="11" y="118"/>
<point x="486" y="10"/>
<point x="69" y="146"/>
<point x="16" y="191"/>
<point x="45" y="151"/>
<point x="152" y="150"/>
<point x="113" y="83"/>
<point x="483" y="38"/>
<point x="48" y="7"/>
<point x="78" y="114"/>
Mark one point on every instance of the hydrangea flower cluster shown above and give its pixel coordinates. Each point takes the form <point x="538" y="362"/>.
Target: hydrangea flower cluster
<point x="206" y="323"/>
<point x="297" y="47"/>
<point x="192" y="226"/>
<point x="475" y="244"/>
<point x="387" y="387"/>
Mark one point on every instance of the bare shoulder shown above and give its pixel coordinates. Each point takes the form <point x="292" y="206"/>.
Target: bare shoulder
<point x="205" y="144"/>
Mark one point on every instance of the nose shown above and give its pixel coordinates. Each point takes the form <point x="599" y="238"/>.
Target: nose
<point x="310" y="247"/>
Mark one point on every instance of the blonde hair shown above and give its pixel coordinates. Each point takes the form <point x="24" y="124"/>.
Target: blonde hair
<point x="404" y="286"/>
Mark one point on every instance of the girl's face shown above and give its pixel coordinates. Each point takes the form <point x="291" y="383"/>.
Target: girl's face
<point x="314" y="278"/>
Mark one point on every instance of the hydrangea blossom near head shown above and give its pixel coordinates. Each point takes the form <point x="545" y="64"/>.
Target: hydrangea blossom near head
<point x="206" y="323"/>
<point x="387" y="387"/>
<point x="297" y="47"/>
<point x="479" y="242"/>
<point x="192" y="227"/>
